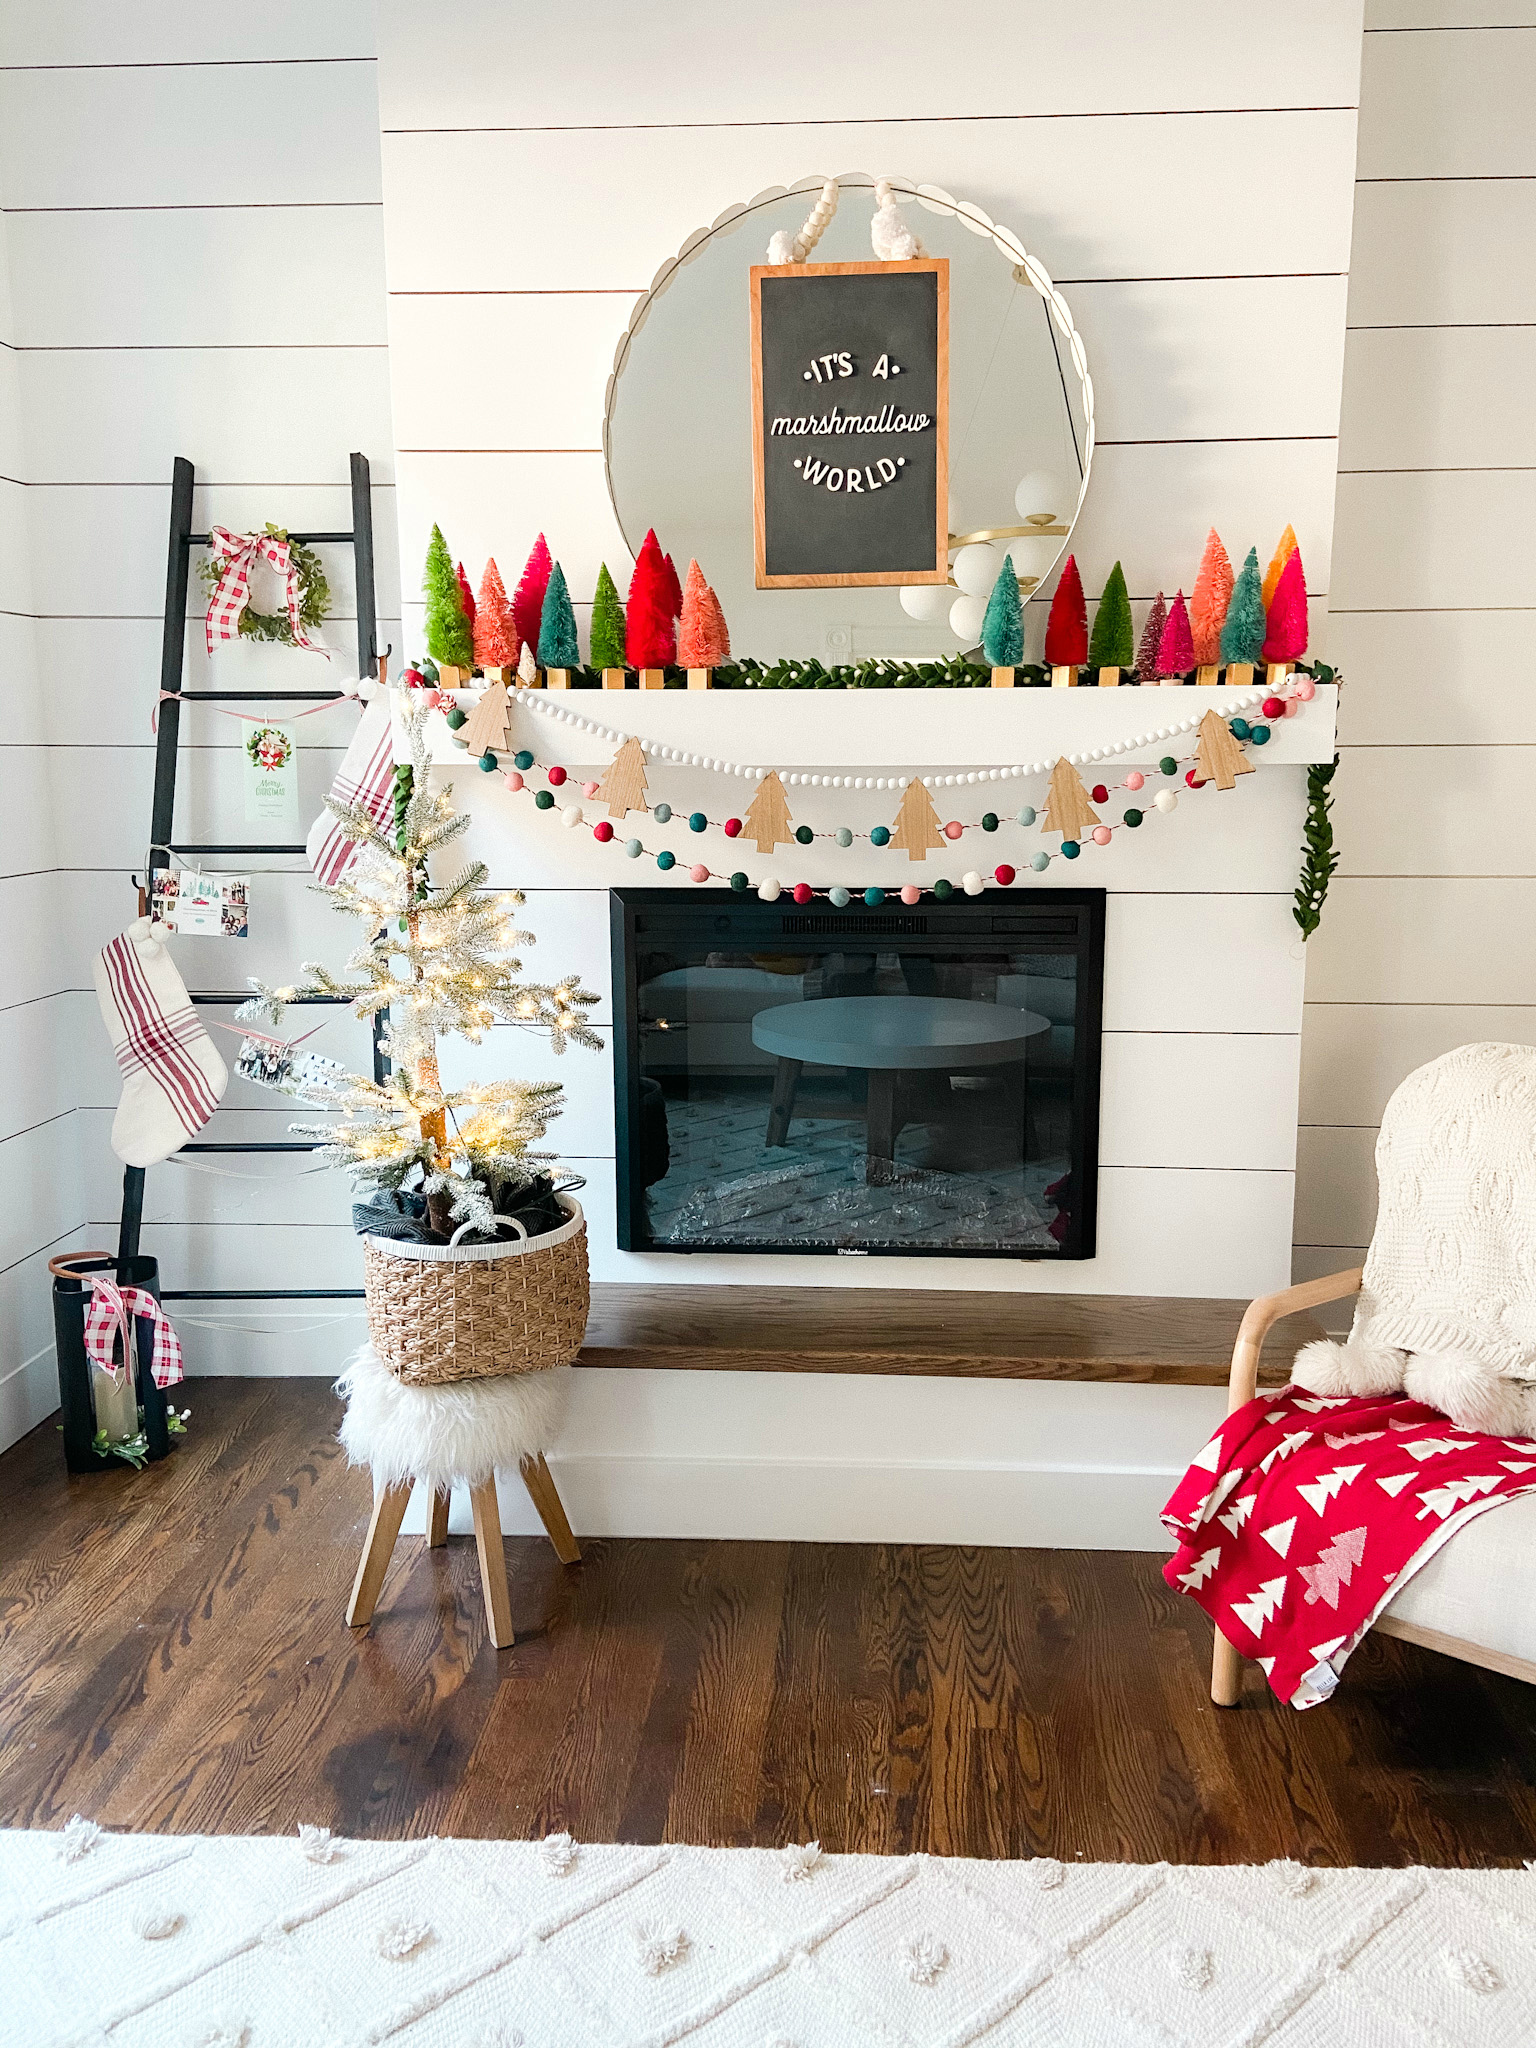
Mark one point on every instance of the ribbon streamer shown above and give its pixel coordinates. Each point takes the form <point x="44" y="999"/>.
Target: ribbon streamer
<point x="239" y="553"/>
<point x="110" y="1317"/>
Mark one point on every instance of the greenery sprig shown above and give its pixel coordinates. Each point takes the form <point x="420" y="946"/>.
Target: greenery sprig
<point x="1318" y="856"/>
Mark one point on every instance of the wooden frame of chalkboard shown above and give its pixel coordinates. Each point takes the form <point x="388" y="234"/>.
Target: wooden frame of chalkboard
<point x="855" y="327"/>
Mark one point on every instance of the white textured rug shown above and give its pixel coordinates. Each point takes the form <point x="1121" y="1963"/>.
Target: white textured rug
<point x="153" y="1941"/>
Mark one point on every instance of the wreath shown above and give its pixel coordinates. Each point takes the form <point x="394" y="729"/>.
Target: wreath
<point x="314" y="593"/>
<point x="268" y="747"/>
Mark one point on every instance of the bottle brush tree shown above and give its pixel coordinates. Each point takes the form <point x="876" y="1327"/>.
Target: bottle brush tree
<point x="437" y="960"/>
<point x="447" y="624"/>
<point x="1002" y="625"/>
<point x="1151" y="640"/>
<point x="1209" y="600"/>
<point x="1285" y="547"/>
<point x="496" y="641"/>
<point x="650" y="634"/>
<point x="528" y="598"/>
<point x="466" y="595"/>
<point x="558" y="647"/>
<point x="674" y="588"/>
<point x="607" y="640"/>
<point x="702" y="641"/>
<point x="1113" y="643"/>
<point x="1242" y="632"/>
<point x="1285" y="628"/>
<point x="1066" y="629"/>
<point x="1176" y="649"/>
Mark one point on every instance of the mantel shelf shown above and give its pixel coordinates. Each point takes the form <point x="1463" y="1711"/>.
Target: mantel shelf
<point x="912" y="729"/>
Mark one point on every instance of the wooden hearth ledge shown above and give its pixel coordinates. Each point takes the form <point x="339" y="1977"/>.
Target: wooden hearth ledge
<point x="1174" y="1341"/>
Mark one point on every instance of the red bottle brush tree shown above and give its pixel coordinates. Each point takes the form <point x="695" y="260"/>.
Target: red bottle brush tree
<point x="1208" y="603"/>
<point x="674" y="588"/>
<point x="650" y="634"/>
<point x="1176" y="649"/>
<point x="496" y="641"/>
<point x="702" y="641"/>
<point x="1151" y="640"/>
<point x="528" y="599"/>
<point x="1285" y="634"/>
<point x="1285" y="547"/>
<point x="1066" y="630"/>
<point x="466" y="595"/>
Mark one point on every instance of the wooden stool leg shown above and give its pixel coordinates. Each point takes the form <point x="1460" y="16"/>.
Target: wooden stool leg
<point x="545" y="1496"/>
<point x="389" y="1505"/>
<point x="1226" y="1673"/>
<point x="493" y="1562"/>
<point x="437" y="1522"/>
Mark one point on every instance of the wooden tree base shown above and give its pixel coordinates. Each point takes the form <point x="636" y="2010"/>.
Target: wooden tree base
<point x="1206" y="674"/>
<point x="613" y="678"/>
<point x="557" y="679"/>
<point x="699" y="678"/>
<point x="1109" y="679"/>
<point x="1002" y="679"/>
<point x="1240" y="675"/>
<point x="1277" y="672"/>
<point x="1063" y="678"/>
<point x="653" y="679"/>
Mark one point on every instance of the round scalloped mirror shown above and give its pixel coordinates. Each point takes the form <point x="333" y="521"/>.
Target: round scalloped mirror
<point x="677" y="434"/>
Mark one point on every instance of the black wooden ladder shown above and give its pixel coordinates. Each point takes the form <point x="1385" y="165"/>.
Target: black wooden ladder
<point x="172" y="654"/>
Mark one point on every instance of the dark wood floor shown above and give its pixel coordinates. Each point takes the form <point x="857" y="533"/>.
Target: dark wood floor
<point x="173" y="1657"/>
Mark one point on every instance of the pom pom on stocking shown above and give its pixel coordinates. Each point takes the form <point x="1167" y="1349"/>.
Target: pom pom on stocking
<point x="173" y="1077"/>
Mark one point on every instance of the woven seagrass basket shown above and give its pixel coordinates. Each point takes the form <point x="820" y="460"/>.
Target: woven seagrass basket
<point x="438" y="1313"/>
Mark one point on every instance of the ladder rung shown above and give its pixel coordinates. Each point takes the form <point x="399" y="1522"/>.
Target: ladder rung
<point x="250" y="1145"/>
<point x="218" y="996"/>
<point x="230" y="847"/>
<point x="258" y="696"/>
<point x="200" y="540"/>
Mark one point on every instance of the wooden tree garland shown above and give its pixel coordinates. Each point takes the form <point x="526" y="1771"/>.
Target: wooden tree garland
<point x="1067" y="809"/>
<point x="767" y="819"/>
<point x="485" y="729"/>
<point x="917" y="823"/>
<point x="1220" y="760"/>
<point x="622" y="789"/>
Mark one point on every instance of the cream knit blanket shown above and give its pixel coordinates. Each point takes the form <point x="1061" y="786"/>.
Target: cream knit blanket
<point x="1452" y="1263"/>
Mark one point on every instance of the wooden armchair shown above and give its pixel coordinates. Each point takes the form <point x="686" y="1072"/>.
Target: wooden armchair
<point x="1479" y="1583"/>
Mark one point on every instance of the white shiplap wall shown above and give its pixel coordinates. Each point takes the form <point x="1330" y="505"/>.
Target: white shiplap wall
<point x="192" y="228"/>
<point x="1426" y="939"/>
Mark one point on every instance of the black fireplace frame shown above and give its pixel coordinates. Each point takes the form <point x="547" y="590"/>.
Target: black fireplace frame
<point x="751" y="925"/>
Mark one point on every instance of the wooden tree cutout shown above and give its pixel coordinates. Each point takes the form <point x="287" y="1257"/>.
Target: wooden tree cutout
<point x="1067" y="809"/>
<point x="485" y="729"/>
<point x="623" y="788"/>
<point x="917" y="822"/>
<point x="767" y="820"/>
<point x="1221" y="760"/>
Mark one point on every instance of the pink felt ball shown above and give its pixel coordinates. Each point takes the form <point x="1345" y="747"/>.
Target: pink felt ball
<point x="699" y="873"/>
<point x="1273" y="707"/>
<point x="514" y="781"/>
<point x="953" y="829"/>
<point x="554" y="777"/>
<point x="1292" y="708"/>
<point x="1306" y="689"/>
<point x="803" y="892"/>
<point x="602" y="831"/>
<point x="590" y="788"/>
<point x="1135" y="779"/>
<point x="911" y="893"/>
<point x="1101" y="835"/>
<point x="1003" y="875"/>
<point x="732" y="827"/>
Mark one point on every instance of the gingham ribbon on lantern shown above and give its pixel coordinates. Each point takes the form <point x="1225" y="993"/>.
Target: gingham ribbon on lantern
<point x="238" y="553"/>
<point x="110" y="1316"/>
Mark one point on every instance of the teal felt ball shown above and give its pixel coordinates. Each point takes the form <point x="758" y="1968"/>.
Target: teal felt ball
<point x="989" y="821"/>
<point x="633" y="848"/>
<point x="844" y="836"/>
<point x="1260" y="735"/>
<point x="522" y="759"/>
<point x="874" y="897"/>
<point x="804" y="834"/>
<point x="488" y="762"/>
<point x="880" y="835"/>
<point x="838" y="898"/>
<point x="943" y="890"/>
<point x="1241" y="728"/>
<point x="544" y="800"/>
<point x="662" y="813"/>
<point x="1133" y="818"/>
<point x="738" y="880"/>
<point x="697" y="821"/>
<point x="1168" y="765"/>
<point x="1070" y="849"/>
<point x="1027" y="815"/>
<point x="1040" y="863"/>
<point x="430" y="672"/>
<point x="456" y="718"/>
<point x="666" y="859"/>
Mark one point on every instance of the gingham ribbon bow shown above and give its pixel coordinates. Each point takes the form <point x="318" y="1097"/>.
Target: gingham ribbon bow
<point x="110" y="1316"/>
<point x="238" y="552"/>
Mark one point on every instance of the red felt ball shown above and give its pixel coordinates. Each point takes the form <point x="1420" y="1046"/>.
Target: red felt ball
<point x="602" y="831"/>
<point x="1194" y="778"/>
<point x="1100" y="793"/>
<point x="1273" y="707"/>
<point x="412" y="678"/>
<point x="555" y="777"/>
<point x="732" y="827"/>
<point x="803" y="892"/>
<point x="1004" y="874"/>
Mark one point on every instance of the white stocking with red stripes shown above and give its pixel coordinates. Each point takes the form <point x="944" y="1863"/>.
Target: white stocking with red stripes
<point x="173" y="1077"/>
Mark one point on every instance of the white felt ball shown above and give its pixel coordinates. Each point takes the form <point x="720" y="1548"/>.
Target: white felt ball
<point x="925" y="601"/>
<point x="972" y="883"/>
<point x="1039" y="493"/>
<point x="965" y="617"/>
<point x="768" y="890"/>
<point x="781" y="247"/>
<point x="572" y="816"/>
<point x="976" y="567"/>
<point x="1165" y="800"/>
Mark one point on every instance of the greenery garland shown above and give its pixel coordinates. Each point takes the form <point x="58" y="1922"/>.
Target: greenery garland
<point x="314" y="593"/>
<point x="1318" y="858"/>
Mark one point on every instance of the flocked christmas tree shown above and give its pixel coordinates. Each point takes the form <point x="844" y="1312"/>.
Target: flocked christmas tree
<point x="496" y="641"/>
<point x="528" y="598"/>
<point x="1113" y="644"/>
<point x="1208" y="604"/>
<point x="917" y="822"/>
<point x="1285" y="628"/>
<point x="447" y="626"/>
<point x="650" y="636"/>
<point x="437" y="960"/>
<point x="1285" y="547"/>
<point x="1002" y="625"/>
<point x="607" y="641"/>
<point x="1151" y="640"/>
<point x="1176" y="649"/>
<point x="1242" y="632"/>
<point x="558" y="646"/>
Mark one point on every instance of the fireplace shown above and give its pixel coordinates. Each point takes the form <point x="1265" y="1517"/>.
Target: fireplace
<point x="858" y="1082"/>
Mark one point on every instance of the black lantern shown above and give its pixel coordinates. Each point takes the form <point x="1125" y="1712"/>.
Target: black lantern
<point x="78" y="1377"/>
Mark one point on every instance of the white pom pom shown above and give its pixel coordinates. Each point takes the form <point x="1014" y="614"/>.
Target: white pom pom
<point x="781" y="247"/>
<point x="890" y="237"/>
<point x="972" y="883"/>
<point x="1166" y="801"/>
<point x="768" y="890"/>
<point x="571" y="816"/>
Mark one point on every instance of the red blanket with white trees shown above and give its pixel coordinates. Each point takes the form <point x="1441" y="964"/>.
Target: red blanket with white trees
<point x="1304" y="1515"/>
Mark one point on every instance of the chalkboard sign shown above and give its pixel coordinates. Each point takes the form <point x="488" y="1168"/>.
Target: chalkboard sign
<point x="850" y="423"/>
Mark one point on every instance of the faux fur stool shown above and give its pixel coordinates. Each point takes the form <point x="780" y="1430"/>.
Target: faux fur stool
<point x="445" y="1436"/>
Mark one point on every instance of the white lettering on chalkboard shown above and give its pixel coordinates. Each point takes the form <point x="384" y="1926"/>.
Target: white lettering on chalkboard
<point x="814" y="472"/>
<point x="886" y="421"/>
